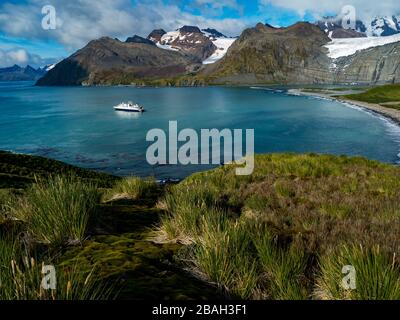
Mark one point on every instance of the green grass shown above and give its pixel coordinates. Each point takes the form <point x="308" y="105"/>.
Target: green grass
<point x="284" y="232"/>
<point x="287" y="214"/>
<point x="19" y="171"/>
<point x="283" y="267"/>
<point x="380" y="95"/>
<point x="222" y="255"/>
<point x="133" y="188"/>
<point x="57" y="211"/>
<point x="191" y="203"/>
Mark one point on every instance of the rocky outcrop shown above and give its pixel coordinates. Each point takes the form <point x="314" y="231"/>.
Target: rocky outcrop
<point x="214" y="33"/>
<point x="109" y="61"/>
<point x="138" y="39"/>
<point x="156" y="35"/>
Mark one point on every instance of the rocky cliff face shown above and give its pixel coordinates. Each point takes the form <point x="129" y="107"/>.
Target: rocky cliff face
<point x="109" y="61"/>
<point x="375" y="65"/>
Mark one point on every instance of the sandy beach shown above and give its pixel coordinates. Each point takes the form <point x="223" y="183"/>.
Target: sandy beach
<point x="389" y="113"/>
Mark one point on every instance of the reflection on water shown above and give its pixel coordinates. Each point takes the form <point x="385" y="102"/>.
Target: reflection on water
<point x="128" y="115"/>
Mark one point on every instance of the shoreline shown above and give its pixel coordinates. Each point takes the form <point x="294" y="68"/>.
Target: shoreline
<point x="388" y="113"/>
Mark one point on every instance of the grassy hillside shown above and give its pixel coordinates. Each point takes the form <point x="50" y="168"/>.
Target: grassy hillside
<point x="19" y="171"/>
<point x="94" y="228"/>
<point x="285" y="232"/>
<point x="388" y="96"/>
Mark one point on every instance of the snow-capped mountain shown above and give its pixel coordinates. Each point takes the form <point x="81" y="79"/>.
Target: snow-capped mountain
<point x="376" y="27"/>
<point x="206" y="45"/>
<point x="384" y="26"/>
<point x="297" y="54"/>
<point x="334" y="28"/>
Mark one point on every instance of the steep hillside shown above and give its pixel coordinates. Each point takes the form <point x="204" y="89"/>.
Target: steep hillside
<point x="109" y="61"/>
<point x="269" y="55"/>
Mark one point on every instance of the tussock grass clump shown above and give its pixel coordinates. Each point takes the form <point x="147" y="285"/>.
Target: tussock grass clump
<point x="56" y="211"/>
<point x="4" y="201"/>
<point x="133" y="188"/>
<point x="283" y="268"/>
<point x="190" y="206"/>
<point x="376" y="273"/>
<point x="290" y="211"/>
<point x="222" y="255"/>
<point x="21" y="277"/>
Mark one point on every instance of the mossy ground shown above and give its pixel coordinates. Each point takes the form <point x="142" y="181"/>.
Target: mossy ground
<point x="121" y="248"/>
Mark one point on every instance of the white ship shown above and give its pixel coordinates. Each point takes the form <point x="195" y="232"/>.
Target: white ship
<point x="129" y="107"/>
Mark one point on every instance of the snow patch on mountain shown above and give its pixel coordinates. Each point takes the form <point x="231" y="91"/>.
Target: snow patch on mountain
<point x="166" y="47"/>
<point x="222" y="44"/>
<point x="168" y="41"/>
<point x="50" y="67"/>
<point x="346" y="47"/>
<point x="170" y="36"/>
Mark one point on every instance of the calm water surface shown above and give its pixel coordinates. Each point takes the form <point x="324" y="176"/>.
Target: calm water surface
<point x="78" y="125"/>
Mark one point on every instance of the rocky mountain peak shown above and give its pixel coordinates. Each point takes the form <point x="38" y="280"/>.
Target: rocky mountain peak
<point x="261" y="27"/>
<point x="189" y="29"/>
<point x="213" y="33"/>
<point x="138" y="39"/>
<point x="156" y="35"/>
<point x="189" y="40"/>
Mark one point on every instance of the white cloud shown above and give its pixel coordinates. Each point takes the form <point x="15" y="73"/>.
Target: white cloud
<point x="22" y="58"/>
<point x="365" y="9"/>
<point x="79" y="21"/>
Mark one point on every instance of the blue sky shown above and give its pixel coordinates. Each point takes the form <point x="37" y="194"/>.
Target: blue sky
<point x="24" y="41"/>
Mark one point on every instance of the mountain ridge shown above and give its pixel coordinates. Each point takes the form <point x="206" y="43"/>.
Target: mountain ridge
<point x="17" y="73"/>
<point x="298" y="54"/>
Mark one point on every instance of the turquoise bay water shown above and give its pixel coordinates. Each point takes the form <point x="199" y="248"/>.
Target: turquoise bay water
<point x="78" y="125"/>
